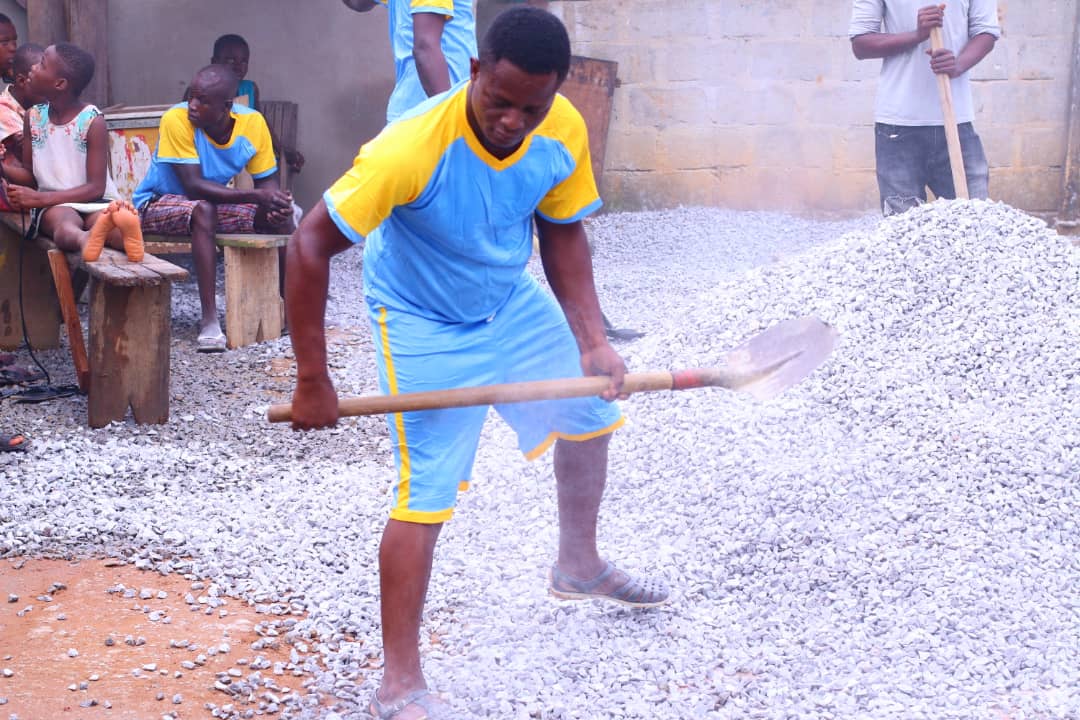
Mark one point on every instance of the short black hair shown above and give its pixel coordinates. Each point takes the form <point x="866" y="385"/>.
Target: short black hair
<point x="77" y="66"/>
<point x="228" y="41"/>
<point x="26" y="57"/>
<point x="532" y="39"/>
<point x="223" y="75"/>
<point x="5" y="20"/>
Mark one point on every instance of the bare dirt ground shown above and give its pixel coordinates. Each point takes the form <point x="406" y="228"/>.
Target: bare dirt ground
<point x="55" y="661"/>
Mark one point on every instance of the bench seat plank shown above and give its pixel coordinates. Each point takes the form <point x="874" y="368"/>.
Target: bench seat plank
<point x="253" y="241"/>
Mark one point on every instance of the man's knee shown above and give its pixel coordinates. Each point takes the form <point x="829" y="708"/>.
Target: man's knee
<point x="203" y="217"/>
<point x="900" y="167"/>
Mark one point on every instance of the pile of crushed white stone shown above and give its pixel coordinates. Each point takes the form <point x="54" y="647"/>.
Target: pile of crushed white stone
<point x="896" y="537"/>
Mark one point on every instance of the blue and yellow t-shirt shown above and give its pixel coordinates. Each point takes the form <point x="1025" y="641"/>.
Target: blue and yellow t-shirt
<point x="458" y="46"/>
<point x="449" y="226"/>
<point x="181" y="143"/>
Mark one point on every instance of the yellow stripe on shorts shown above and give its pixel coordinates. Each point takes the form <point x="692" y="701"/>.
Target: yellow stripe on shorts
<point x="399" y="421"/>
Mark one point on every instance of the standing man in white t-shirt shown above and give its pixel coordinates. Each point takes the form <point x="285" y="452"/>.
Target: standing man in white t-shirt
<point x="909" y="124"/>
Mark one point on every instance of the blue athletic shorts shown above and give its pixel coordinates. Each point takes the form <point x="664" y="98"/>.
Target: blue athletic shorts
<point x="527" y="339"/>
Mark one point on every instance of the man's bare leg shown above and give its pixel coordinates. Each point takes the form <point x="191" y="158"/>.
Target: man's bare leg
<point x="405" y="556"/>
<point x="580" y="477"/>
<point x="204" y="253"/>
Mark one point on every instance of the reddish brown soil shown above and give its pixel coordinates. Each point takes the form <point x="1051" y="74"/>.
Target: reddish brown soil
<point x="35" y="646"/>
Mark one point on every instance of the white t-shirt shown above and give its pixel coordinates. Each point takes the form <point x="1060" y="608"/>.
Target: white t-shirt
<point x="907" y="91"/>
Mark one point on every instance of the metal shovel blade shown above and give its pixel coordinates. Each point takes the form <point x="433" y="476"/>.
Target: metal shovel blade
<point x="779" y="357"/>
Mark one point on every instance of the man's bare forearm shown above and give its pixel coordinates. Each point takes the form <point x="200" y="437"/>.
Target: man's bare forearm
<point x="976" y="49"/>
<point x="307" y="282"/>
<point x="564" y="250"/>
<point x="883" y="45"/>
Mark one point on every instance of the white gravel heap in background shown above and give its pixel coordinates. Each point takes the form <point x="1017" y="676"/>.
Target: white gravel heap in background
<point x="895" y="538"/>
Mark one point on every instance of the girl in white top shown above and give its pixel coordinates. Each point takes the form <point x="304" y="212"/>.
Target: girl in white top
<point x="66" y="180"/>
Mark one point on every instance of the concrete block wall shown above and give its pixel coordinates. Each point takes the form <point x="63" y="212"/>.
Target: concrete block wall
<point x="761" y="104"/>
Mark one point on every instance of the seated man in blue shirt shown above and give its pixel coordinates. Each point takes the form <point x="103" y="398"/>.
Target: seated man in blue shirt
<point x="203" y="144"/>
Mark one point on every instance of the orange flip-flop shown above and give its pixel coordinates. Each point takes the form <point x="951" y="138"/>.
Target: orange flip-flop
<point x="13" y="443"/>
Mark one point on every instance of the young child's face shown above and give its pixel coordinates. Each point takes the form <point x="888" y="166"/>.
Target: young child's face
<point x="46" y="74"/>
<point x="22" y="82"/>
<point x="236" y="57"/>
<point x="9" y="41"/>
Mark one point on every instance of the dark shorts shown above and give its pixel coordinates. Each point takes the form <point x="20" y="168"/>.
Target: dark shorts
<point x="913" y="158"/>
<point x="171" y="215"/>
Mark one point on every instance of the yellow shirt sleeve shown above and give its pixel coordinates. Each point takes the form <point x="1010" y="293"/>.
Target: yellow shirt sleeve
<point x="176" y="138"/>
<point x="264" y="162"/>
<point x="577" y="194"/>
<point x="387" y="172"/>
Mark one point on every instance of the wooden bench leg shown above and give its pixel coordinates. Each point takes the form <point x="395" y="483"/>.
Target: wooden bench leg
<point x="253" y="307"/>
<point x="66" y="294"/>
<point x="39" y="304"/>
<point x="130" y="333"/>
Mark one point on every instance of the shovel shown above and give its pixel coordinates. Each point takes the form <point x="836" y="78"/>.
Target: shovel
<point x="952" y="133"/>
<point x="764" y="366"/>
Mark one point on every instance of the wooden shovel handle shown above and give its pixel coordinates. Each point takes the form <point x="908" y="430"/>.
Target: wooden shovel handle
<point x="952" y="134"/>
<point x="518" y="392"/>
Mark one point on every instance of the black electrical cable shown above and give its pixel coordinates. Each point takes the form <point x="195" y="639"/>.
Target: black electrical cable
<point x="34" y="393"/>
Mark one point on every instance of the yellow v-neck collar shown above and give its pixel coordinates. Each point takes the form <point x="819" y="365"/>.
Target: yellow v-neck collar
<point x="477" y="147"/>
<point x="232" y="134"/>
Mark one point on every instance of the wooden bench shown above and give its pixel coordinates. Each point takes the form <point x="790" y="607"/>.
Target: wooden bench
<point x="130" y="321"/>
<point x="254" y="310"/>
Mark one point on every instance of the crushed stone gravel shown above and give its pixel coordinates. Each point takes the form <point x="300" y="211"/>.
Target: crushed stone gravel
<point x="896" y="537"/>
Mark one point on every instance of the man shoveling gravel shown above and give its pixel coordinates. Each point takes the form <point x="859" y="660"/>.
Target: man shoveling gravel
<point x="445" y="199"/>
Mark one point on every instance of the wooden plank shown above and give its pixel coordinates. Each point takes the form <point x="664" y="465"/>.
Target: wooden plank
<point x="163" y="244"/>
<point x="114" y="268"/>
<point x="130" y="329"/>
<point x="46" y="21"/>
<point x="164" y="268"/>
<point x="253" y="241"/>
<point x="180" y="247"/>
<point x="37" y="303"/>
<point x="253" y="307"/>
<point x="1068" y="221"/>
<point x="88" y="27"/>
<point x="590" y="86"/>
<point x="281" y="117"/>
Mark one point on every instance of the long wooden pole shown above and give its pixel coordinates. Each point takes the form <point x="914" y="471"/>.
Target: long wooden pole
<point x="1068" y="222"/>
<point x="952" y="135"/>
<point x="763" y="366"/>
